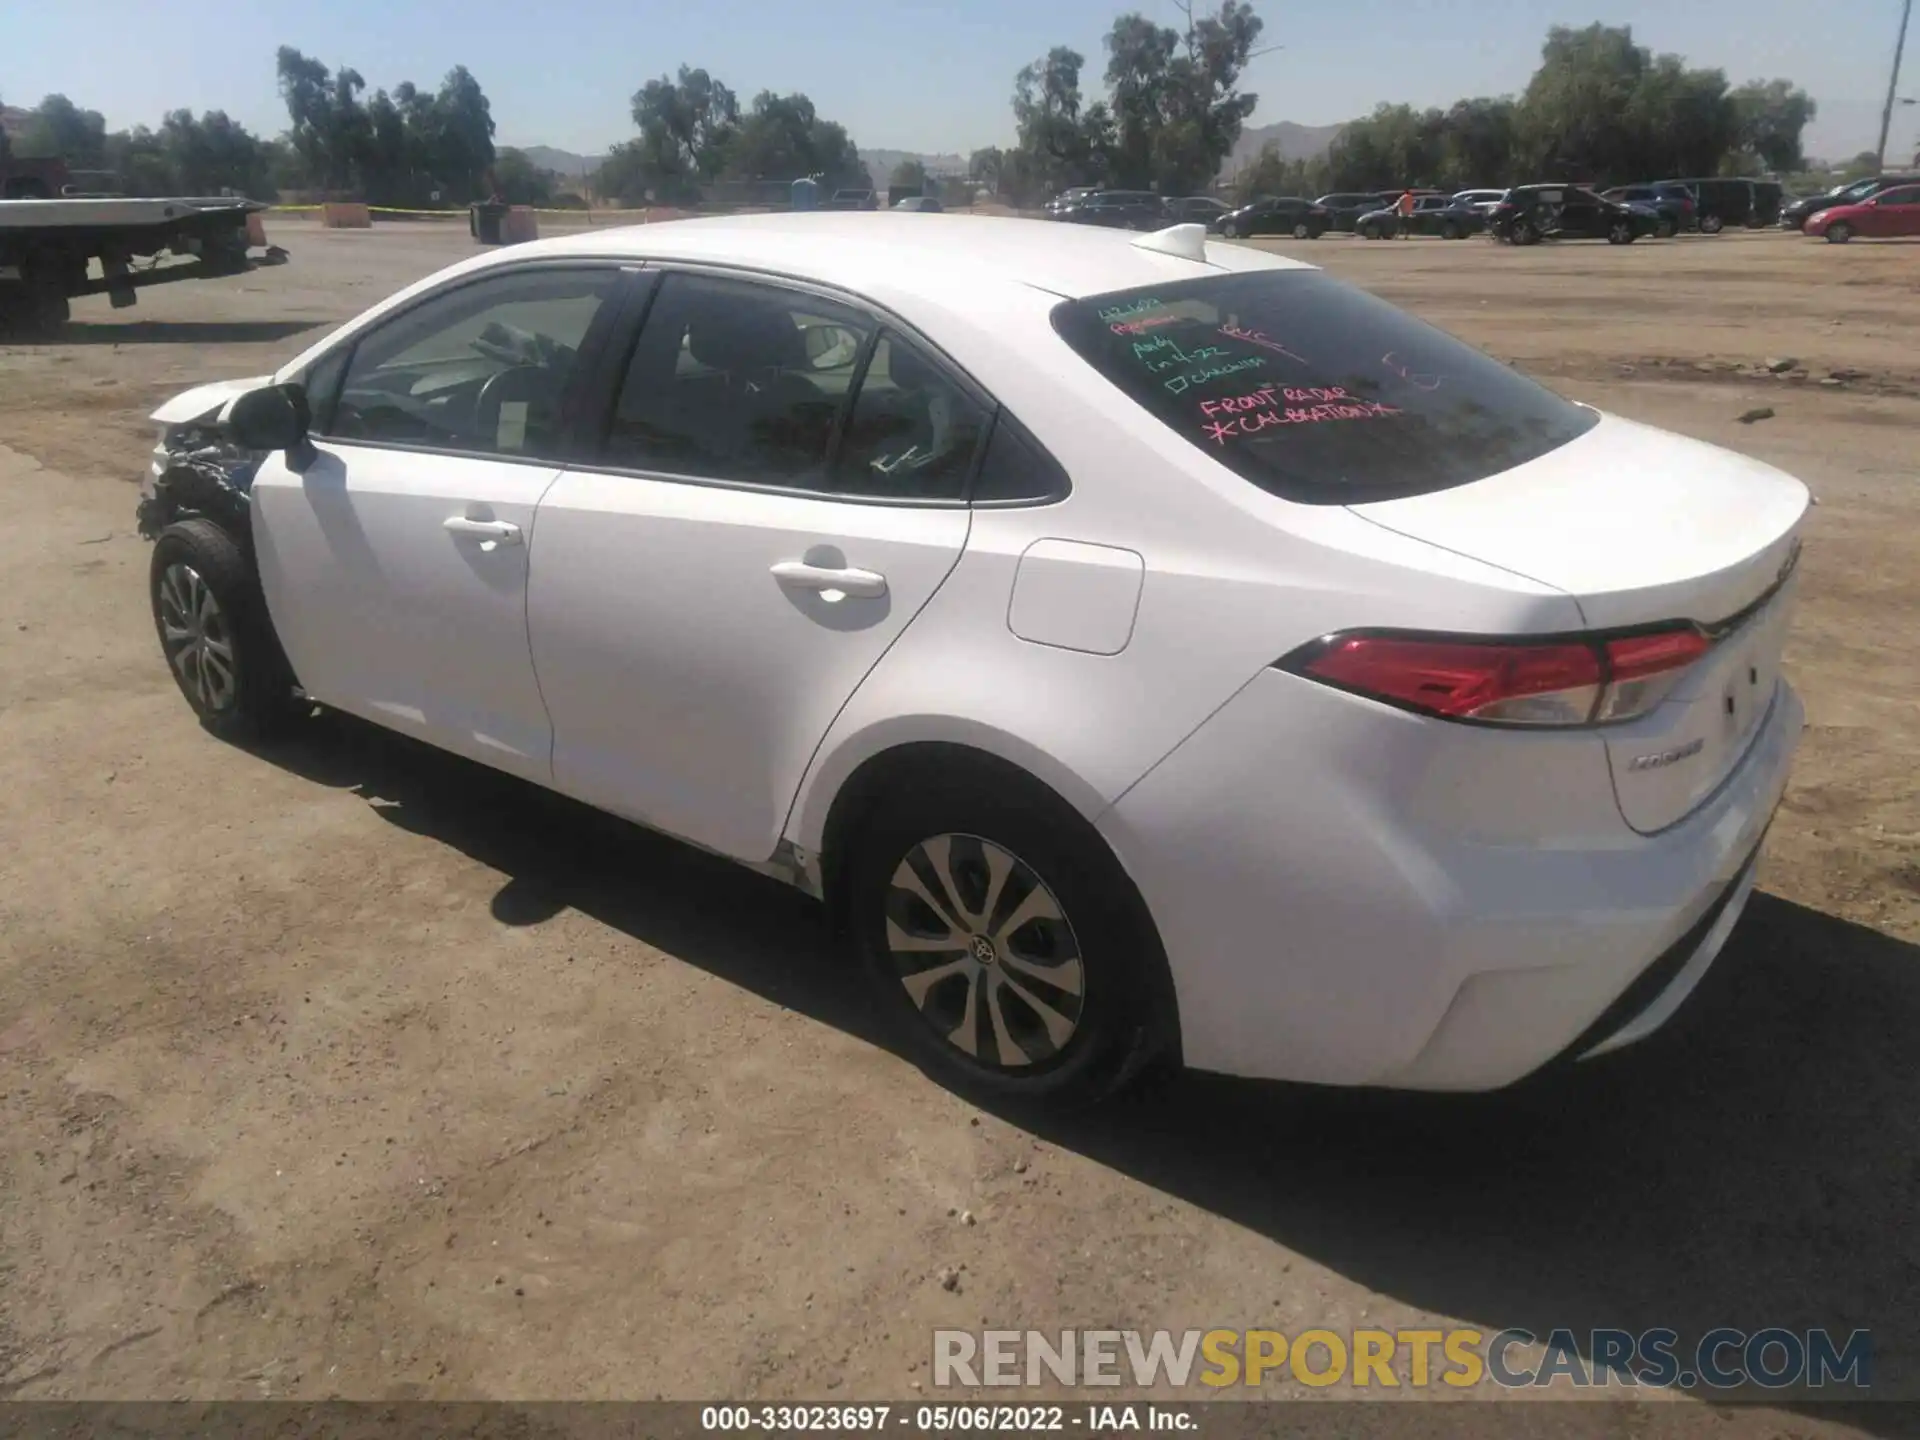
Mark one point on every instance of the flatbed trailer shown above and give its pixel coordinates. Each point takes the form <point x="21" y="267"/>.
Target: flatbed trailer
<point x="48" y="249"/>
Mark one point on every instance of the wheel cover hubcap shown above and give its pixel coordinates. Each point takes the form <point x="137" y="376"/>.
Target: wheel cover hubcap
<point x="196" y="637"/>
<point x="985" y="951"/>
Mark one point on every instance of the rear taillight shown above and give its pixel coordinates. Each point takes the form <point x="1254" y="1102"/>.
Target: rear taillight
<point x="1584" y="680"/>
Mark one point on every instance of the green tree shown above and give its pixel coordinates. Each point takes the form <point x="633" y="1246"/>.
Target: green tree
<point x="59" y="129"/>
<point x="520" y="180"/>
<point x="1061" y="142"/>
<point x="1866" y="163"/>
<point x="986" y="166"/>
<point x="908" y="175"/>
<point x="326" y="116"/>
<point x="1771" y="116"/>
<point x="1176" y="101"/>
<point x="1271" y="173"/>
<point x="782" y="137"/>
<point x="686" y="124"/>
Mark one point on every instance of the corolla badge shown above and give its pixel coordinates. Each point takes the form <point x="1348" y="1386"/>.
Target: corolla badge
<point x="1662" y="758"/>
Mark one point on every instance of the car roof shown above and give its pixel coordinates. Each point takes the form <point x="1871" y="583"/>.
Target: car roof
<point x="935" y="259"/>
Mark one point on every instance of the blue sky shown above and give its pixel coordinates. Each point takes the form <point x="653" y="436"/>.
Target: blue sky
<point x="901" y="74"/>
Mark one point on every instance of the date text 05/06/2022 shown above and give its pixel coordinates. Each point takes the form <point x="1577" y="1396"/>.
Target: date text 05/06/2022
<point x="947" y="1419"/>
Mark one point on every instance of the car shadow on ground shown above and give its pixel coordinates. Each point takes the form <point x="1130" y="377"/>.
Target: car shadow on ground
<point x="1755" y="1164"/>
<point x="180" y="332"/>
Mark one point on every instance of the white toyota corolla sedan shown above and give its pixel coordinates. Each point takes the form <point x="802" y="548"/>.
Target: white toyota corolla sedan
<point x="1149" y="647"/>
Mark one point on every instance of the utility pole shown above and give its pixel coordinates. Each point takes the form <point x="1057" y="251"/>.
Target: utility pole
<point x="1893" y="85"/>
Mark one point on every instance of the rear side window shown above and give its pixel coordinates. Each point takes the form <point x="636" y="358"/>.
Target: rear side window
<point x="1315" y="391"/>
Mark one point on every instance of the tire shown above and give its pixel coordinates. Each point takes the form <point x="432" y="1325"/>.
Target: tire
<point x="1839" y="233"/>
<point x="1302" y="230"/>
<point x="1620" y="233"/>
<point x="944" y="836"/>
<point x="1665" y="230"/>
<point x="1525" y="233"/>
<point x="1230" y="230"/>
<point x="214" y="632"/>
<point x="1711" y="224"/>
<point x="36" y="309"/>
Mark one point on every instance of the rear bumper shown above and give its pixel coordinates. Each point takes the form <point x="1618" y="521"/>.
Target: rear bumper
<point x="1340" y="907"/>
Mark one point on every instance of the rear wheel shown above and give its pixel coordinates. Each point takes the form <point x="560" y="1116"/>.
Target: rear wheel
<point x="1449" y="231"/>
<point x="1711" y="224"/>
<point x="1003" y="941"/>
<point x="1302" y="230"/>
<point x="1665" y="230"/>
<point x="215" y="633"/>
<point x="1839" y="233"/>
<point x="1620" y="233"/>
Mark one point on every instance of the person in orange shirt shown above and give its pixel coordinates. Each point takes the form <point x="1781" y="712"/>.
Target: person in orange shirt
<point x="1406" y="215"/>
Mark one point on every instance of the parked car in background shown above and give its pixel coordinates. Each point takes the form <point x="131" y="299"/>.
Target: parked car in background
<point x="1720" y="202"/>
<point x="1072" y="195"/>
<point x="1671" y="204"/>
<point x="1118" y="210"/>
<point x="1892" y="212"/>
<point x="1439" y="215"/>
<point x="1796" y="214"/>
<point x="1278" y="215"/>
<point x="1344" y="208"/>
<point x="923" y="204"/>
<point x="1531" y="213"/>
<point x="1196" y="209"/>
<point x="1380" y="718"/>
<point x="1481" y="202"/>
<point x="852" y="200"/>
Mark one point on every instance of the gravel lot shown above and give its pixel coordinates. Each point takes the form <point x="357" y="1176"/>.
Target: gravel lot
<point x="342" y="1068"/>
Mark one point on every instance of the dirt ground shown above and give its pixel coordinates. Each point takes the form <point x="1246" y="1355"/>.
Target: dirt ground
<point x="345" y="1069"/>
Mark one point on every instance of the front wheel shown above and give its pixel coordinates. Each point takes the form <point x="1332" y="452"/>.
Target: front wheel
<point x="1525" y="233"/>
<point x="215" y="633"/>
<point x="1004" y="943"/>
<point x="1229" y="229"/>
<point x="1711" y="224"/>
<point x="1839" y="233"/>
<point x="1620" y="233"/>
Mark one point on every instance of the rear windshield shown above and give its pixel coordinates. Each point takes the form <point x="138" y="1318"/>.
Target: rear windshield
<point x="1315" y="391"/>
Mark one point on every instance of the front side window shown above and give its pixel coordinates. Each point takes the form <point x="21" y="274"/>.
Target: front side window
<point x="735" y="380"/>
<point x="1314" y="390"/>
<point x="483" y="369"/>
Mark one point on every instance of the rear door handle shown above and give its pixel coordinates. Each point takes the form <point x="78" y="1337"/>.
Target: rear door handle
<point x="867" y="584"/>
<point x="503" y="531"/>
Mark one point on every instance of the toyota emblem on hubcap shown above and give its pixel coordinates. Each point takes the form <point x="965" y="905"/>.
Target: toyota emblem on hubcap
<point x="983" y="950"/>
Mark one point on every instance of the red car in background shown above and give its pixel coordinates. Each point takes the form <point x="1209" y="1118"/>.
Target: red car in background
<point x="1891" y="212"/>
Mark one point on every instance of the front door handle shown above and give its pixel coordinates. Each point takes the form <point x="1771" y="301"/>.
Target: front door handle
<point x="502" y="531"/>
<point x="865" y="583"/>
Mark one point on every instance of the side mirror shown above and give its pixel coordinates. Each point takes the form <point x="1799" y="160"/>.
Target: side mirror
<point x="275" y="417"/>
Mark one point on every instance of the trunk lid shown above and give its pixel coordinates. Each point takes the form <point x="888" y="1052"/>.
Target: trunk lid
<point x="1641" y="527"/>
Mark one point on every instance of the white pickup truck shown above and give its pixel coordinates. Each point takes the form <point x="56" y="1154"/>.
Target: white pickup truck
<point x="50" y="250"/>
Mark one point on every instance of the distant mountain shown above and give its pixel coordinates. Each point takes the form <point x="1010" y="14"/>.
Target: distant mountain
<point x="1294" y="142"/>
<point x="561" y="162"/>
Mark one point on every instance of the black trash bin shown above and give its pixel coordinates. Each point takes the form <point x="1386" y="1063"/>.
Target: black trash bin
<point x="486" y="218"/>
